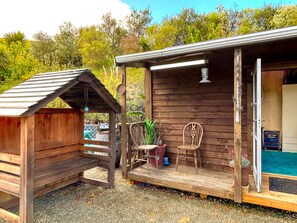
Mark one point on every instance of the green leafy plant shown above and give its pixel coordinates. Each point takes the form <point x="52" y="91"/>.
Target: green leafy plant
<point x="150" y="133"/>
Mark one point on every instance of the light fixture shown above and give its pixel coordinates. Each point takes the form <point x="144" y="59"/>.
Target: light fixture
<point x="204" y="75"/>
<point x="175" y="65"/>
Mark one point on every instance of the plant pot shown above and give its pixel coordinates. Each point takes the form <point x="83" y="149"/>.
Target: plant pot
<point x="161" y="152"/>
<point x="245" y="171"/>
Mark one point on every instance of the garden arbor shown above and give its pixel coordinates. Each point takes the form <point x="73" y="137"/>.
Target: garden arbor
<point x="44" y="149"/>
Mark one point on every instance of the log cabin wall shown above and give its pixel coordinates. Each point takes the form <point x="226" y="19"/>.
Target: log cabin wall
<point x="56" y="135"/>
<point x="179" y="98"/>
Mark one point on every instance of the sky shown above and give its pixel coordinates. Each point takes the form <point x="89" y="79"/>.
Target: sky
<point x="32" y="16"/>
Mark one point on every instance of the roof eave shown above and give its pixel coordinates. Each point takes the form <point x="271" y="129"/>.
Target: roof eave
<point x="230" y="42"/>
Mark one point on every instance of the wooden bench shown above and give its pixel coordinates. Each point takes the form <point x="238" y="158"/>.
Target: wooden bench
<point x="61" y="170"/>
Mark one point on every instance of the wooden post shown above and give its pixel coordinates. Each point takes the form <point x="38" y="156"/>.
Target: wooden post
<point x="237" y="124"/>
<point x="148" y="93"/>
<point x="112" y="140"/>
<point x="123" y="124"/>
<point x="81" y="132"/>
<point x="27" y="169"/>
<point x="249" y="118"/>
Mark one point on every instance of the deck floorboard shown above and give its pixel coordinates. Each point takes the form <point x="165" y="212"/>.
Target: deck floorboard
<point x="206" y="182"/>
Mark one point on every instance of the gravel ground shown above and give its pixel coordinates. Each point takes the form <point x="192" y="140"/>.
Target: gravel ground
<point x="82" y="203"/>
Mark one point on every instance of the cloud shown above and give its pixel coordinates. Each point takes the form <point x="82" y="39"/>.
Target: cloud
<point x="32" y="16"/>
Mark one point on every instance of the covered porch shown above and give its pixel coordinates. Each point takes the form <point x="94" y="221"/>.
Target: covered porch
<point x="223" y="106"/>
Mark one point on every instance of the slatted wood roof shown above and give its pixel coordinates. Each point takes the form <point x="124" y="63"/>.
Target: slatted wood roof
<point x="71" y="86"/>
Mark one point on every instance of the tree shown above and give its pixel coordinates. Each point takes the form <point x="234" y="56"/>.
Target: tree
<point x="182" y="22"/>
<point x="67" y="46"/>
<point x="17" y="63"/>
<point x="111" y="27"/>
<point x="160" y="36"/>
<point x="285" y="16"/>
<point x="94" y="46"/>
<point x="13" y="37"/>
<point x="255" y="20"/>
<point x="130" y="44"/>
<point x="43" y="47"/>
<point x="138" y="21"/>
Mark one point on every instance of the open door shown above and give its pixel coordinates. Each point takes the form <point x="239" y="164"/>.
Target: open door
<point x="257" y="133"/>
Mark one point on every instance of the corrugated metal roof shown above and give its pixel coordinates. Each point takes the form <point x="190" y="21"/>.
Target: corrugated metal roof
<point x="33" y="94"/>
<point x="236" y="41"/>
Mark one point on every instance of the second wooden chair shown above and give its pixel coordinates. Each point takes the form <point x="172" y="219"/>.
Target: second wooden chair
<point x="192" y="136"/>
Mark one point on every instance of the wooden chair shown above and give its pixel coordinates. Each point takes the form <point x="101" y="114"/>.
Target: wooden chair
<point x="140" y="151"/>
<point x="192" y="135"/>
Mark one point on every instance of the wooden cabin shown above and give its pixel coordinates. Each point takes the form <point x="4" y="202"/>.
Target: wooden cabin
<point x="241" y="100"/>
<point x="44" y="149"/>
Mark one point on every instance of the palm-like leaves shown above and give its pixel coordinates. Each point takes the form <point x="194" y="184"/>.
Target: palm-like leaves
<point x="14" y="37"/>
<point x="150" y="133"/>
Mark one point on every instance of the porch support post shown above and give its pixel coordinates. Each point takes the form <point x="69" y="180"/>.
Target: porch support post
<point x="249" y="116"/>
<point x="148" y="93"/>
<point x="27" y="168"/>
<point x="112" y="140"/>
<point x="123" y="124"/>
<point x="237" y="123"/>
<point x="81" y="133"/>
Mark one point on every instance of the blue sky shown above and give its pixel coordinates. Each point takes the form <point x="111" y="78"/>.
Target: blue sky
<point x="162" y="8"/>
<point x="32" y="16"/>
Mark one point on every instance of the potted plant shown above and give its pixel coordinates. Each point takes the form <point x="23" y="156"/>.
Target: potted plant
<point x="245" y="166"/>
<point x="153" y="136"/>
<point x="245" y="170"/>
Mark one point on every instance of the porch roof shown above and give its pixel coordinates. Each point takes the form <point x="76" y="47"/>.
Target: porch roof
<point x="146" y="58"/>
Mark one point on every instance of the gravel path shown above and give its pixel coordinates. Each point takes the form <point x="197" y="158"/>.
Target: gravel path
<point x="82" y="203"/>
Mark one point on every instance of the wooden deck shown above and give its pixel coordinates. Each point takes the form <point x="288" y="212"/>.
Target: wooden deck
<point x="218" y="184"/>
<point x="206" y="182"/>
<point x="268" y="198"/>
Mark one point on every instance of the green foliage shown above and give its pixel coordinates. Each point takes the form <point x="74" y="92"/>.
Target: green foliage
<point x="285" y="16"/>
<point x="111" y="27"/>
<point x="138" y="21"/>
<point x="57" y="103"/>
<point x="17" y="63"/>
<point x="135" y="89"/>
<point x="67" y="52"/>
<point x="150" y="131"/>
<point x="96" y="117"/>
<point x="160" y="36"/>
<point x="94" y="46"/>
<point x="135" y="116"/>
<point x="43" y="47"/>
<point x="14" y="37"/>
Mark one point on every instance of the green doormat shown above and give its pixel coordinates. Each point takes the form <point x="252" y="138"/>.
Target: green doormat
<point x="283" y="185"/>
<point x="279" y="162"/>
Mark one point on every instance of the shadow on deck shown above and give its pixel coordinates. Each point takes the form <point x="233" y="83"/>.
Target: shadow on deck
<point x="207" y="182"/>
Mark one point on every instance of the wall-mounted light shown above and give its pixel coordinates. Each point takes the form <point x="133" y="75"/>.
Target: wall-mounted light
<point x="175" y="65"/>
<point x="204" y="75"/>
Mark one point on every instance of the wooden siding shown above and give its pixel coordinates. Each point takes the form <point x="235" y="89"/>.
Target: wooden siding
<point x="178" y="98"/>
<point x="10" y="135"/>
<point x="56" y="136"/>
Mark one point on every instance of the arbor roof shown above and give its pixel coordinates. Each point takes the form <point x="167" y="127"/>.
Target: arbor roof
<point x="78" y="88"/>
